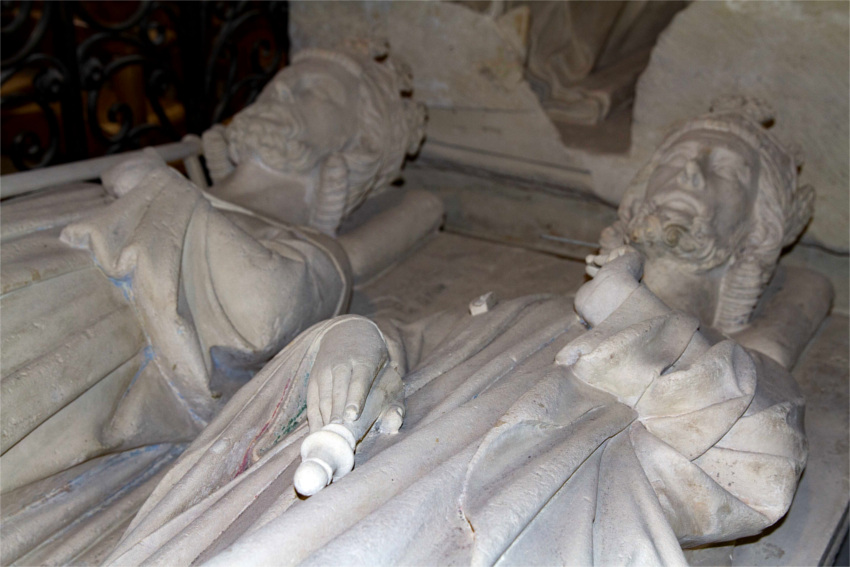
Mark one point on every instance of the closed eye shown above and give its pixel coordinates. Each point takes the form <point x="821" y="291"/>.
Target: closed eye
<point x="681" y="204"/>
<point x="728" y="165"/>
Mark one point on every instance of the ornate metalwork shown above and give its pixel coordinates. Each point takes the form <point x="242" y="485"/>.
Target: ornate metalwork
<point x="236" y="19"/>
<point x="115" y="47"/>
<point x="47" y="80"/>
<point x="77" y="69"/>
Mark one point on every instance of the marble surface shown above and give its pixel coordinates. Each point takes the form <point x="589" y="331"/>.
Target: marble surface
<point x="810" y="532"/>
<point x="450" y="270"/>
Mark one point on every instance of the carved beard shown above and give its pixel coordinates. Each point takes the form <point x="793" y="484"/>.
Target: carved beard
<point x="272" y="132"/>
<point x="656" y="234"/>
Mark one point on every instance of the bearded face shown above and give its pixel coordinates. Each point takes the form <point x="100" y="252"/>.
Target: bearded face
<point x="309" y="111"/>
<point x="698" y="202"/>
<point x="327" y="132"/>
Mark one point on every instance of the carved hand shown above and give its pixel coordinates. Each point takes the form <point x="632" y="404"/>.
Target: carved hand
<point x="349" y="389"/>
<point x="595" y="262"/>
<point x="352" y="354"/>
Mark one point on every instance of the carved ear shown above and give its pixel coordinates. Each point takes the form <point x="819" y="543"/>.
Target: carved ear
<point x="331" y="195"/>
<point x="214" y="142"/>
<point x="799" y="214"/>
<point x="416" y="115"/>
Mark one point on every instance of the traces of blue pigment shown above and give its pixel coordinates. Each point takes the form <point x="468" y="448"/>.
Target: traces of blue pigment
<point x="147" y="357"/>
<point x="125" y="284"/>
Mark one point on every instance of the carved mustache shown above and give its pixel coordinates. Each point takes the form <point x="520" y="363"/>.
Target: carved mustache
<point x="281" y="119"/>
<point x="651" y="230"/>
<point x="655" y="234"/>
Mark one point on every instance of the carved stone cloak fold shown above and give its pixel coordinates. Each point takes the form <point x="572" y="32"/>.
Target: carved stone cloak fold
<point x="504" y="456"/>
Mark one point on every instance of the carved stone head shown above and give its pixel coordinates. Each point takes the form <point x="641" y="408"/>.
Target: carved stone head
<point x="324" y="133"/>
<point x="712" y="211"/>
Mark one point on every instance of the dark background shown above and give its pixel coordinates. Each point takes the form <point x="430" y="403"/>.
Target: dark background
<point x="82" y="79"/>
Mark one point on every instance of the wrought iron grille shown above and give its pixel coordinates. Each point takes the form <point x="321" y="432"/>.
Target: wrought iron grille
<point x="80" y="79"/>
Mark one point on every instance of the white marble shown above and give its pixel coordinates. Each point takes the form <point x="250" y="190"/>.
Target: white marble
<point x="608" y="429"/>
<point x="132" y="311"/>
<point x="329" y="131"/>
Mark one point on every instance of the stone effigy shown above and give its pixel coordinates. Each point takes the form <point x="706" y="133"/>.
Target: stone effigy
<point x="616" y="428"/>
<point x="133" y="311"/>
<point x="135" y="327"/>
<point x="731" y="244"/>
<point x="326" y="133"/>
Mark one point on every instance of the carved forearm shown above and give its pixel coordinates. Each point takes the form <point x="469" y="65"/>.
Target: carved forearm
<point x="704" y="432"/>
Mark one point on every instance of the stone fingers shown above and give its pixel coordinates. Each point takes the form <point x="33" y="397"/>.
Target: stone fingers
<point x="323" y="377"/>
<point x="341" y="378"/>
<point x="361" y="383"/>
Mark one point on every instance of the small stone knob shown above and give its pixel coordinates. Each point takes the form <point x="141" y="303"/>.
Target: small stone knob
<point x="482" y="304"/>
<point x="326" y="455"/>
<point x="312" y="476"/>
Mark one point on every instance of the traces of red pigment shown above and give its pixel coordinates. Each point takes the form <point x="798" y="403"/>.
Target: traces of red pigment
<point x="244" y="466"/>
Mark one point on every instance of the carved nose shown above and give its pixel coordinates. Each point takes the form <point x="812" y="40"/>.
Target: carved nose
<point x="691" y="177"/>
